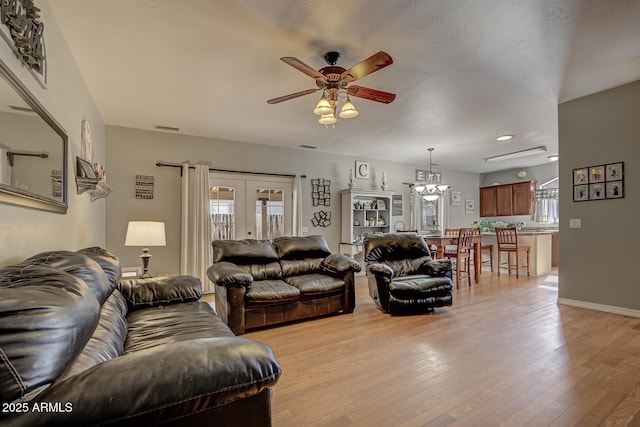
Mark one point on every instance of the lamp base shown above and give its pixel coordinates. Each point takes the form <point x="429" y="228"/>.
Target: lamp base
<point x="145" y="263"/>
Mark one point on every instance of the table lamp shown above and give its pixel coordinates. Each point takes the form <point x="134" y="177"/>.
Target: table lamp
<point x="145" y="233"/>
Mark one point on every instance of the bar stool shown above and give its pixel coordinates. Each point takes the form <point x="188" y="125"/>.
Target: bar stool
<point x="485" y="248"/>
<point x="464" y="248"/>
<point x="507" y="238"/>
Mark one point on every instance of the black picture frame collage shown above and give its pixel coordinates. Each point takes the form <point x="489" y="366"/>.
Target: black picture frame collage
<point x="598" y="182"/>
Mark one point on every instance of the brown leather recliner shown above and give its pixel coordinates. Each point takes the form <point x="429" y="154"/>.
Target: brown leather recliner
<point x="259" y="283"/>
<point x="402" y="276"/>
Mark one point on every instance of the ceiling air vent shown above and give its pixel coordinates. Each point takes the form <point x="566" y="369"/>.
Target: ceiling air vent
<point x="171" y="128"/>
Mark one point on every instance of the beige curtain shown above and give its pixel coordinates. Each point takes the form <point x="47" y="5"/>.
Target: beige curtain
<point x="195" y="247"/>
<point x="297" y="206"/>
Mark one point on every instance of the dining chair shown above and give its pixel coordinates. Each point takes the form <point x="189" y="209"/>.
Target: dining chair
<point x="464" y="249"/>
<point x="450" y="251"/>
<point x="507" y="238"/>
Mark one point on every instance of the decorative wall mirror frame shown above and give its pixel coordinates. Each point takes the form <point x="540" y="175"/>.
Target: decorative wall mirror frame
<point x="33" y="156"/>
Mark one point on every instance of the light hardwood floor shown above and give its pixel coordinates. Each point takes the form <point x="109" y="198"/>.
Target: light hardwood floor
<point x="505" y="354"/>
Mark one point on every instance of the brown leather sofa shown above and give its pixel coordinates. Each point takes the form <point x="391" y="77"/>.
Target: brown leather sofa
<point x="402" y="276"/>
<point x="259" y="283"/>
<point x="78" y="347"/>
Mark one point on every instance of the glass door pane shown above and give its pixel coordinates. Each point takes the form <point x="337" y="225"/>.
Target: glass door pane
<point x="223" y="209"/>
<point x="269" y="213"/>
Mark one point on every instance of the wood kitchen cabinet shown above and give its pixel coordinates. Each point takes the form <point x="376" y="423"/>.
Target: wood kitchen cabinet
<point x="488" y="201"/>
<point x="508" y="199"/>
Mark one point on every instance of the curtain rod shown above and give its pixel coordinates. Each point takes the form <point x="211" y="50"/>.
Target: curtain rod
<point x="160" y="163"/>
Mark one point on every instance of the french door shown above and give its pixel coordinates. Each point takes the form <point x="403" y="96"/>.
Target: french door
<point x="249" y="206"/>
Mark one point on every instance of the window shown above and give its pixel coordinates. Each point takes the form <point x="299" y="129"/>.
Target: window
<point x="547" y="210"/>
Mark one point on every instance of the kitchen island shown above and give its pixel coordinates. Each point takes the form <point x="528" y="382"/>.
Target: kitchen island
<point x="540" y="243"/>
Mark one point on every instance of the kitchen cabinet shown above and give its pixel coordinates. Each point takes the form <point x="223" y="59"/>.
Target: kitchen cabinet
<point x="508" y="199"/>
<point x="488" y="201"/>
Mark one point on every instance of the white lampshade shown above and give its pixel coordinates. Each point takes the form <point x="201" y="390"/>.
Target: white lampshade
<point x="323" y="107"/>
<point x="431" y="188"/>
<point x="442" y="187"/>
<point x="327" y="119"/>
<point x="431" y="197"/>
<point x="348" y="110"/>
<point x="419" y="188"/>
<point x="145" y="233"/>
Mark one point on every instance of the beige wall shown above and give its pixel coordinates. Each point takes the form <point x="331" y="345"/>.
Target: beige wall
<point x="23" y="232"/>
<point x="599" y="261"/>
<point x="132" y="152"/>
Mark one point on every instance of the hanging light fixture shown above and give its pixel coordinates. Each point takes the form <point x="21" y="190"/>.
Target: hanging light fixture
<point x="432" y="188"/>
<point x="328" y="103"/>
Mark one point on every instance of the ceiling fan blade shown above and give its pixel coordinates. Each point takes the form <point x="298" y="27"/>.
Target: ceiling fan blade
<point x="366" y="67"/>
<point x="301" y="66"/>
<point x="371" y="94"/>
<point x="292" y="96"/>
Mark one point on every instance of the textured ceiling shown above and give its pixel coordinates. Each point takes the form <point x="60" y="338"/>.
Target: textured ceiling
<point x="465" y="71"/>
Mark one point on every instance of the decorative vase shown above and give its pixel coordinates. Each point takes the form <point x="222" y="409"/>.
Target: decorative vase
<point x="350" y="184"/>
<point x="384" y="185"/>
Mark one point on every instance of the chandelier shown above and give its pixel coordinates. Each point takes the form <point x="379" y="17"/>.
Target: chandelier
<point x="432" y="187"/>
<point x="327" y="106"/>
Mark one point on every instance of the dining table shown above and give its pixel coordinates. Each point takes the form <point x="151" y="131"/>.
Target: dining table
<point x="440" y="241"/>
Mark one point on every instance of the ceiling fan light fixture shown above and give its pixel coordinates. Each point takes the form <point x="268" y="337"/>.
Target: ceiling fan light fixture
<point x="348" y="110"/>
<point x="323" y="107"/>
<point x="327" y="119"/>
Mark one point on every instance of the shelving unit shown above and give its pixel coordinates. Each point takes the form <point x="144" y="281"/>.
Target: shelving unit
<point x="364" y="212"/>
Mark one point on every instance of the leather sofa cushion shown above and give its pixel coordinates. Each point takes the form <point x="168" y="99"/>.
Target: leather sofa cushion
<point x="270" y="271"/>
<point x="264" y="291"/>
<point x="310" y="284"/>
<point x="419" y="284"/>
<point x="389" y="247"/>
<point x="46" y="318"/>
<point x="160" y="290"/>
<point x="107" y="341"/>
<point x="301" y="247"/>
<point x="80" y="266"/>
<point x="248" y="251"/>
<point x="108" y="261"/>
<point x="300" y="266"/>
<point x="152" y="327"/>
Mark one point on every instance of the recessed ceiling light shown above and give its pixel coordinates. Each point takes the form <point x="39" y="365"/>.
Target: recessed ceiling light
<point x="553" y="158"/>
<point x="504" y="137"/>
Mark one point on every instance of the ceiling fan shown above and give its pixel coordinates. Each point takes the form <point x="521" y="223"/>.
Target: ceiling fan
<point x="333" y="80"/>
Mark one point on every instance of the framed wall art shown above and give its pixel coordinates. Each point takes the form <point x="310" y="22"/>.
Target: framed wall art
<point x="598" y="182"/>
<point x="321" y="192"/>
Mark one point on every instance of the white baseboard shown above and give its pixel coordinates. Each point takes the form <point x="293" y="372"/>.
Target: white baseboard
<point x="600" y="307"/>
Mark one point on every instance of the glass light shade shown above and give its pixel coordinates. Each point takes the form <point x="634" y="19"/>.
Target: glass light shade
<point x="145" y="233"/>
<point x="419" y="188"/>
<point x="327" y="119"/>
<point x="431" y="188"/>
<point x="348" y="110"/>
<point x="431" y="197"/>
<point x="442" y="187"/>
<point x="323" y="107"/>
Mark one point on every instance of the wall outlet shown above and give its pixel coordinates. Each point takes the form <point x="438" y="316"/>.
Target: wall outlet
<point x="575" y="223"/>
<point x="305" y="229"/>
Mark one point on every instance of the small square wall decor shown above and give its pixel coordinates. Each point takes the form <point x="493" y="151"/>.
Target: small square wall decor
<point x="598" y="182"/>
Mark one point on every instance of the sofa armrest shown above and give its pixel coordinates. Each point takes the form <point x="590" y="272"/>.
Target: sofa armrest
<point x="229" y="274"/>
<point x="155" y="291"/>
<point x="437" y="268"/>
<point x="338" y="264"/>
<point x="160" y="384"/>
<point x="379" y="269"/>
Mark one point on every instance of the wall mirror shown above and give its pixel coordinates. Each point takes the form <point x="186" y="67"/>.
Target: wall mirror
<point x="33" y="149"/>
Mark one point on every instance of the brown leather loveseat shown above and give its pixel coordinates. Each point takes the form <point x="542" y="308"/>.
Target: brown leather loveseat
<point x="260" y="283"/>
